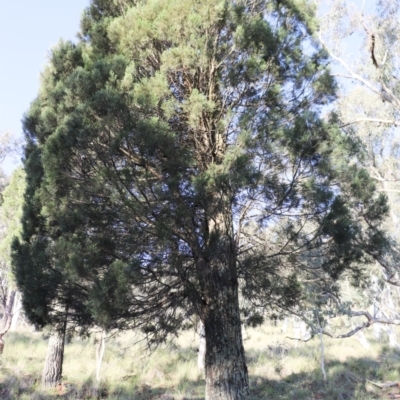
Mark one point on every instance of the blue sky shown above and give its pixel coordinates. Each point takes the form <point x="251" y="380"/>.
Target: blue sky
<point x="28" y="30"/>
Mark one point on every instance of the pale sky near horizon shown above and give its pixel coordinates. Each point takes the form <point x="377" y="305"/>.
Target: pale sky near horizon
<point x="28" y="30"/>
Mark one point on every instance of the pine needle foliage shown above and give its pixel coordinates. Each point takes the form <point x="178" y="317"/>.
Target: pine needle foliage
<point x="177" y="159"/>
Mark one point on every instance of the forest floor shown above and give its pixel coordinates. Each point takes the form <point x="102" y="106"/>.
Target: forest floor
<point x="279" y="368"/>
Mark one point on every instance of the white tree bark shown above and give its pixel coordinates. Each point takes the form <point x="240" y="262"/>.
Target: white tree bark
<point x="101" y="346"/>
<point x="362" y="339"/>
<point x="322" y="350"/>
<point x="16" y="312"/>
<point x="201" y="358"/>
<point x="8" y="303"/>
<point x="284" y="325"/>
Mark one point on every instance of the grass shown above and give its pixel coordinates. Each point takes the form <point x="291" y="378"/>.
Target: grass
<point x="278" y="368"/>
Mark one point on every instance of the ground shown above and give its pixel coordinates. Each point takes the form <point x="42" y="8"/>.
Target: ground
<point x="279" y="368"/>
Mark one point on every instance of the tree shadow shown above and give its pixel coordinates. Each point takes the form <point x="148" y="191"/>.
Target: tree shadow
<point x="28" y="387"/>
<point x="352" y="379"/>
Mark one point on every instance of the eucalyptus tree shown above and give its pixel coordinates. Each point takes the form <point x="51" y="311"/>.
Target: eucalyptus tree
<point x="363" y="39"/>
<point x="155" y="146"/>
<point x="11" y="199"/>
<point x="10" y="215"/>
<point x="369" y="102"/>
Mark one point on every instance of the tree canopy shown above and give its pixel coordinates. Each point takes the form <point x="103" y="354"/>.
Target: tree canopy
<point x="177" y="161"/>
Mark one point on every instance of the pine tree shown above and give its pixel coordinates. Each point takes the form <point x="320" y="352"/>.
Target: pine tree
<point x="161" y="149"/>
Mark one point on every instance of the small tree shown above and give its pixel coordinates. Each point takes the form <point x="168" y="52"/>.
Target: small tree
<point x="10" y="215"/>
<point x="50" y="295"/>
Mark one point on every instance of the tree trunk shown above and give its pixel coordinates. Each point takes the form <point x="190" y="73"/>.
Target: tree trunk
<point x="16" y="312"/>
<point x="390" y="330"/>
<point x="226" y="370"/>
<point x="52" y="372"/>
<point x="201" y="359"/>
<point x="8" y="304"/>
<point x="362" y="339"/>
<point x="101" y="346"/>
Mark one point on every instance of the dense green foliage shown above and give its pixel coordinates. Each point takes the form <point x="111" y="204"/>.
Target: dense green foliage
<point x="176" y="156"/>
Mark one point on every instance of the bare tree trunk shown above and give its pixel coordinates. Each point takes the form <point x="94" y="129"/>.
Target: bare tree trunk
<point x="362" y="339"/>
<point x="7" y="317"/>
<point x="300" y="330"/>
<point x="201" y="359"/>
<point x="52" y="372"/>
<point x="377" y="331"/>
<point x="16" y="312"/>
<point x="322" y="349"/>
<point x="391" y="332"/>
<point x="101" y="346"/>
<point x="285" y="325"/>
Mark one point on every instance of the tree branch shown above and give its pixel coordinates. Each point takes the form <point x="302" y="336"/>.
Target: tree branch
<point x="353" y="75"/>
<point x="389" y="190"/>
<point x="377" y="120"/>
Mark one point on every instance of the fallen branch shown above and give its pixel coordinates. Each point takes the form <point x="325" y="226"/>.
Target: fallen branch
<point x="384" y="385"/>
<point x="351" y="377"/>
<point x="299" y="339"/>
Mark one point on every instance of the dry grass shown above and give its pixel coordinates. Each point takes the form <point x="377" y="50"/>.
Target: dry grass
<point x="279" y="368"/>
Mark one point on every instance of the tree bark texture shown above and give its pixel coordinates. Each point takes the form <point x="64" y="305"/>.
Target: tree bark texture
<point x="52" y="372"/>
<point x="226" y="370"/>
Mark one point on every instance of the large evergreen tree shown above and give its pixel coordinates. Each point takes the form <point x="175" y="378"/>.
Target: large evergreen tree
<point x="161" y="150"/>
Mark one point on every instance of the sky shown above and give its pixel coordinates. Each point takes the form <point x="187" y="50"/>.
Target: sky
<point x="28" y="31"/>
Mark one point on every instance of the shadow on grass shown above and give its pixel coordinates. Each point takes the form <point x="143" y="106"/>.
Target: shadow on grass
<point x="26" y="387"/>
<point x="352" y="379"/>
<point x="345" y="380"/>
